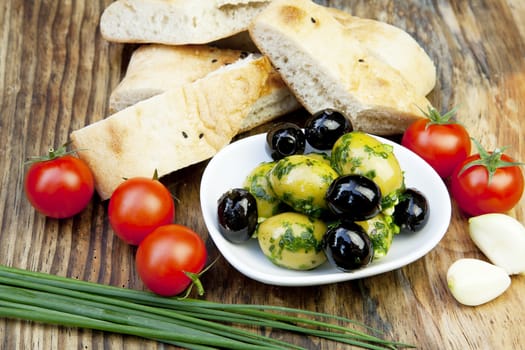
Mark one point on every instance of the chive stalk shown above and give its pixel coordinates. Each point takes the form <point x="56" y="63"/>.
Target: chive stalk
<point x="188" y="323"/>
<point x="88" y="305"/>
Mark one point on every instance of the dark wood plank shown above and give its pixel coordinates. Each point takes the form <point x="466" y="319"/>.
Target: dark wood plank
<point x="56" y="74"/>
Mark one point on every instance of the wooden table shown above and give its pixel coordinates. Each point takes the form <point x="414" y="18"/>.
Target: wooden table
<point x="56" y="74"/>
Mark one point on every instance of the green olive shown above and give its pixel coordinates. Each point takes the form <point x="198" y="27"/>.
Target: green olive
<point x="301" y="182"/>
<point x="320" y="156"/>
<point x="381" y="229"/>
<point x="362" y="154"/>
<point x="292" y="240"/>
<point x="257" y="184"/>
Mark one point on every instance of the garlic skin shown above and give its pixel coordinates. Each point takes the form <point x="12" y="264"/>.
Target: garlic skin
<point x="474" y="282"/>
<point x="502" y="239"/>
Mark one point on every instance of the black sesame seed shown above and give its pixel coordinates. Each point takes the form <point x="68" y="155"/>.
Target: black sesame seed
<point x="201" y="135"/>
<point x="313" y="20"/>
<point x="214" y="60"/>
<point x="184" y="134"/>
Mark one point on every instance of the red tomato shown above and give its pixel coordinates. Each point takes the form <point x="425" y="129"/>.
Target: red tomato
<point x="60" y="185"/>
<point x="440" y="142"/>
<point x="138" y="206"/>
<point x="164" y="257"/>
<point x="487" y="183"/>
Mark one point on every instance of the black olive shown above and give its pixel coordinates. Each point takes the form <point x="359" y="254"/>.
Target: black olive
<point x="237" y="213"/>
<point x="285" y="139"/>
<point x="411" y="212"/>
<point x="347" y="246"/>
<point x="354" y="197"/>
<point x="324" y="128"/>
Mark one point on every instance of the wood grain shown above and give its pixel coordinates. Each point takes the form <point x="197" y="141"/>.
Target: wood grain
<point x="56" y="74"/>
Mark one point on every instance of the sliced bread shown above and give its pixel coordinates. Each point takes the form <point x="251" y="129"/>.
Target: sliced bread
<point x="393" y="46"/>
<point x="177" y="22"/>
<point x="155" y="68"/>
<point x="387" y="42"/>
<point x="175" y="129"/>
<point x="326" y="67"/>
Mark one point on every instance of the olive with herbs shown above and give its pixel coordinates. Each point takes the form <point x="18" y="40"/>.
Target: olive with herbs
<point x="359" y="153"/>
<point x="237" y="214"/>
<point x="301" y="182"/>
<point x="285" y="139"/>
<point x="323" y="128"/>
<point x="268" y="204"/>
<point x="292" y="240"/>
<point x="354" y="197"/>
<point x="347" y="246"/>
<point x="411" y="212"/>
<point x="381" y="229"/>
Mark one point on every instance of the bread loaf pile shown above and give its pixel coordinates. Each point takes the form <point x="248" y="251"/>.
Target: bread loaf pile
<point x="192" y="84"/>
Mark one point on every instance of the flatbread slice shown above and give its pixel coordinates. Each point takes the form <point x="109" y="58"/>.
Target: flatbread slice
<point x="155" y="68"/>
<point x="172" y="130"/>
<point x="326" y="67"/>
<point x="177" y="22"/>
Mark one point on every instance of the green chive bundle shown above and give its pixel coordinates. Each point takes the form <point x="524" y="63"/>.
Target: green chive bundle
<point x="187" y="323"/>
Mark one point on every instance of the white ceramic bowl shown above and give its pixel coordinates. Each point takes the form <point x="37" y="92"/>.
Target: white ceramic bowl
<point x="232" y="164"/>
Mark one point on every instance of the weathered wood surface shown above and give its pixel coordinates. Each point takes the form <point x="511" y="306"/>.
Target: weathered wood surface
<point x="56" y="74"/>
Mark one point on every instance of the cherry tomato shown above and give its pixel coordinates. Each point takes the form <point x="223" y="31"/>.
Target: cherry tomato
<point x="487" y="183"/>
<point x="441" y="142"/>
<point x="138" y="206"/>
<point x="59" y="185"/>
<point x="166" y="255"/>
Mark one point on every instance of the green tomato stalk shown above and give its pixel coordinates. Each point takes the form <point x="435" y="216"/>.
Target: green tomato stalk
<point x="489" y="160"/>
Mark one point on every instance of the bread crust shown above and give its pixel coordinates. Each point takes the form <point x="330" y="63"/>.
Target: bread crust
<point x="172" y="130"/>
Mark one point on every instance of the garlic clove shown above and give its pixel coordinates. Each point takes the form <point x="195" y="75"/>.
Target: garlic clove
<point x="474" y="282"/>
<point x="502" y="239"/>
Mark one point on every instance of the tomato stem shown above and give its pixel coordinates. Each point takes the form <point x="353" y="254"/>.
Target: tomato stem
<point x="195" y="280"/>
<point x="52" y="153"/>
<point x="156" y="175"/>
<point x="436" y="117"/>
<point x="57" y="153"/>
<point x="489" y="160"/>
